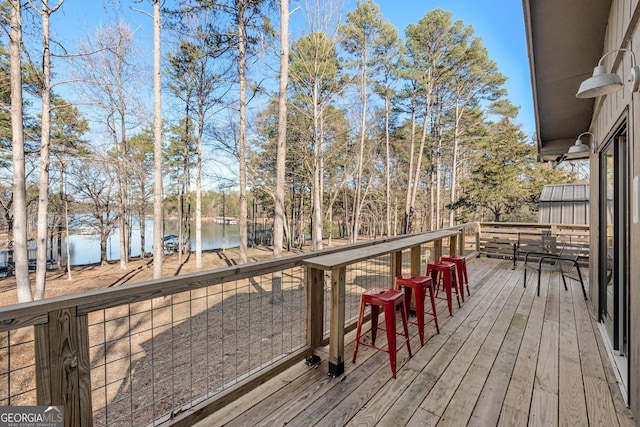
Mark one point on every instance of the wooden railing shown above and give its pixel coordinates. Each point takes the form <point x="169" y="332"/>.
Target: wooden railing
<point x="176" y="349"/>
<point x="496" y="239"/>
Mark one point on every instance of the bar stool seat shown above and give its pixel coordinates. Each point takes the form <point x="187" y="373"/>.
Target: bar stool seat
<point x="443" y="274"/>
<point x="461" y="268"/>
<point x="418" y="284"/>
<point x="389" y="300"/>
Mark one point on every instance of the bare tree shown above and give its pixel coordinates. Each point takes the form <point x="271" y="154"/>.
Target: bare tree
<point x="281" y="148"/>
<point x="20" y="253"/>
<point x="45" y="144"/>
<point x="158" y="249"/>
<point x="92" y="183"/>
<point x="111" y="75"/>
<point x="158" y="196"/>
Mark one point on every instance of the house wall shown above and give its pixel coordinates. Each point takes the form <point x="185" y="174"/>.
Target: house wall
<point x="623" y="31"/>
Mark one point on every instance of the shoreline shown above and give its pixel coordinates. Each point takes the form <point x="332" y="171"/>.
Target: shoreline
<point x="98" y="276"/>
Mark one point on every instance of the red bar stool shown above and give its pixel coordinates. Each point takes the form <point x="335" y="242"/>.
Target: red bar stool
<point x="444" y="273"/>
<point x="389" y="300"/>
<point x="461" y="267"/>
<point x="419" y="284"/>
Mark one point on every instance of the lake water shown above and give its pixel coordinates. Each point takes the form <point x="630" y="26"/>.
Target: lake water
<point x="85" y="248"/>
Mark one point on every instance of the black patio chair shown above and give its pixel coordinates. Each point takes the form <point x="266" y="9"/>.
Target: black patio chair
<point x="538" y="242"/>
<point x="564" y="262"/>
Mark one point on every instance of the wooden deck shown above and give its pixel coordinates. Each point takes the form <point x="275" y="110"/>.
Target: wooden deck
<point x="506" y="357"/>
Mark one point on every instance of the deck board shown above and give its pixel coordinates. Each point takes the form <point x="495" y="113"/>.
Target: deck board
<point x="573" y="407"/>
<point x="486" y="411"/>
<point x="461" y="406"/>
<point x="446" y="388"/>
<point x="544" y="401"/>
<point x="517" y="402"/>
<point x="506" y="357"/>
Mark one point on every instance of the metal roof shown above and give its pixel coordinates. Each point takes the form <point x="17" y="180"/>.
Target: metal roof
<point x="565" y="39"/>
<point x="564" y="204"/>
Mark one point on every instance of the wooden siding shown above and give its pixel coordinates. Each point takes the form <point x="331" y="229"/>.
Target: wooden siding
<point x="622" y="32"/>
<point x="506" y="357"/>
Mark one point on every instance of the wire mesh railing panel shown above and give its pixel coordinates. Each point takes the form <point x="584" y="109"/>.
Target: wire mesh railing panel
<point x="153" y="359"/>
<point x="364" y="275"/>
<point x="371" y="273"/>
<point x="17" y="368"/>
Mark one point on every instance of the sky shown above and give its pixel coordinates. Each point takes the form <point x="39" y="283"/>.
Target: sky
<point x="498" y="22"/>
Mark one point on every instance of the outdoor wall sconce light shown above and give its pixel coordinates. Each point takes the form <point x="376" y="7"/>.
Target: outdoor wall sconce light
<point x="603" y="83"/>
<point x="578" y="150"/>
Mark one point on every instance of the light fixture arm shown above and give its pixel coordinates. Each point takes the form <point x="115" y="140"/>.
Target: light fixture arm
<point x="633" y="55"/>
<point x="583" y="134"/>
<point x="579" y="150"/>
<point x="634" y="78"/>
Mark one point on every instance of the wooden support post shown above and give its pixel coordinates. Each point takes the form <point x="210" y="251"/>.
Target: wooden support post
<point x="437" y="249"/>
<point x="63" y="375"/>
<point x="415" y="260"/>
<point x="315" y="311"/>
<point x="336" y="336"/>
<point x="462" y="242"/>
<point x="396" y="267"/>
<point x="453" y="244"/>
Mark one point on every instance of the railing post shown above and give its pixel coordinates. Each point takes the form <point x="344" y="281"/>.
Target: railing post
<point x="315" y="311"/>
<point x="396" y="267"/>
<point x="336" y="336"/>
<point x="478" y="231"/>
<point x="462" y="244"/>
<point x="63" y="375"/>
<point x="437" y="249"/>
<point x="415" y="260"/>
<point x="453" y="243"/>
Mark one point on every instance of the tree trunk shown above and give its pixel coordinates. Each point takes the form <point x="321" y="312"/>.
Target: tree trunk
<point x="59" y="234"/>
<point x="408" y="211"/>
<point x="423" y="141"/>
<point x="20" y="254"/>
<point x="316" y="197"/>
<point x="242" y="148"/>
<point x="301" y="217"/>
<point x="158" y="250"/>
<point x="62" y="215"/>
<point x="182" y="211"/>
<point x="199" y="190"/>
<point x="143" y="234"/>
<point x="104" y="239"/>
<point x="123" y="190"/>
<point x="281" y="149"/>
<point x="439" y="183"/>
<point x="454" y="164"/>
<point x="45" y="140"/>
<point x="363" y="124"/>
<point x="120" y="195"/>
<point x="387" y="165"/>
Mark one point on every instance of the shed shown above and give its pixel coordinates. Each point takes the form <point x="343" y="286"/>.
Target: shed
<point x="564" y="204"/>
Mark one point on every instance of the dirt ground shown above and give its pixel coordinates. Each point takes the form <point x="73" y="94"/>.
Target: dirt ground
<point x="95" y="276"/>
